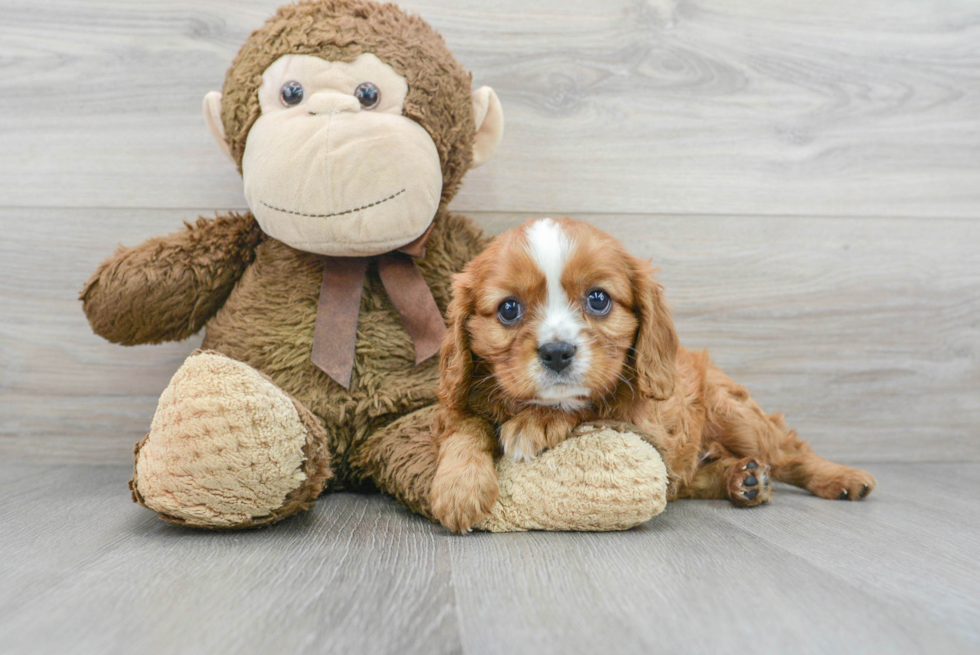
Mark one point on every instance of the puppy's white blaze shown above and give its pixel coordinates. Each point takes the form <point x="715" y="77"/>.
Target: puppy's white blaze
<point x="559" y="319"/>
<point x="550" y="248"/>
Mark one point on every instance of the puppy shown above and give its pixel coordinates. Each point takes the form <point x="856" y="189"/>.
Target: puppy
<point x="555" y="324"/>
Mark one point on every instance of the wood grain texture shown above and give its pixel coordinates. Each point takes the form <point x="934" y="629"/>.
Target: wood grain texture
<point x="90" y="572"/>
<point x="864" y="331"/>
<point x="710" y="578"/>
<point x="93" y="573"/>
<point x="660" y="106"/>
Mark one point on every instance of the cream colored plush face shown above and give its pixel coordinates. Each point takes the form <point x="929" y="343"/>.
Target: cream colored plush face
<point x="327" y="175"/>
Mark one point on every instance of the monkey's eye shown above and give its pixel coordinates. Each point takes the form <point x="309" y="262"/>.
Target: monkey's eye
<point x="291" y="94"/>
<point x="368" y="95"/>
<point x="509" y="311"/>
<point x="598" y="302"/>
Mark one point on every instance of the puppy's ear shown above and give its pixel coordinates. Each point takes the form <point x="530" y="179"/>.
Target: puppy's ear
<point x="655" y="350"/>
<point x="455" y="359"/>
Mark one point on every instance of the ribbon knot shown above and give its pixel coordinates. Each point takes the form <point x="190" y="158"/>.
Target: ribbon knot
<point x="335" y="332"/>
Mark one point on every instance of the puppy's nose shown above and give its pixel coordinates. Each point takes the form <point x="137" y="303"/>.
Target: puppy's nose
<point x="557" y="355"/>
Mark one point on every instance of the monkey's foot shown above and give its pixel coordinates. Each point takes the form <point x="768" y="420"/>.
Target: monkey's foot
<point x="601" y="478"/>
<point x="229" y="449"/>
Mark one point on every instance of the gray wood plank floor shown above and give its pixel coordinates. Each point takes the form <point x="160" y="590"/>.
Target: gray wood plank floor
<point x="85" y="571"/>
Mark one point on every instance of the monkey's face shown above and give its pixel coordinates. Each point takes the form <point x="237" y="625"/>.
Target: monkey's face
<point x="352" y="124"/>
<point x="332" y="166"/>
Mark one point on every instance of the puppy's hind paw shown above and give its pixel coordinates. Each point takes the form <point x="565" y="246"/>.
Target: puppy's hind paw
<point x="839" y="482"/>
<point x="749" y="483"/>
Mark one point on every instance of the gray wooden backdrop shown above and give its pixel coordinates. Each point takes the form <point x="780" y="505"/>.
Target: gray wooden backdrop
<point x="807" y="176"/>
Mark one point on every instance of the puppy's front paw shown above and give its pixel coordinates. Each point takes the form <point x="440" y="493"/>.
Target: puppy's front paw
<point x="522" y="438"/>
<point x="463" y="493"/>
<point x="527" y="434"/>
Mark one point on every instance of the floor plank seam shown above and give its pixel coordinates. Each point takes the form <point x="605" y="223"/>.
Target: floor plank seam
<point x="452" y="581"/>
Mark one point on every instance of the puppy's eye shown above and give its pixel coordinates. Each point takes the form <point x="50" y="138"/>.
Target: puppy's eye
<point x="509" y="311"/>
<point x="368" y="95"/>
<point x="291" y="94"/>
<point x="598" y="302"/>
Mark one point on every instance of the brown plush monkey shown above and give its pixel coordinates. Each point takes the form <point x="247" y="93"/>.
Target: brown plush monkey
<point x="352" y="125"/>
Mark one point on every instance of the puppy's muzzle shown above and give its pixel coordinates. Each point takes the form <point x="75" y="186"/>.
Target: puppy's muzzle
<point x="557" y="355"/>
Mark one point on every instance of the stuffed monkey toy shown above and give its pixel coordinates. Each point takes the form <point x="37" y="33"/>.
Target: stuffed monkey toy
<point x="352" y="126"/>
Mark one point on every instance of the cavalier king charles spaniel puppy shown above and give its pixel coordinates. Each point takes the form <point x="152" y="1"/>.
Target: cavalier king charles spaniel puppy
<point x="556" y="324"/>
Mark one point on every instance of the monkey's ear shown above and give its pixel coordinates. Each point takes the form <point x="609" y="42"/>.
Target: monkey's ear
<point x="489" y="124"/>
<point x="212" y="116"/>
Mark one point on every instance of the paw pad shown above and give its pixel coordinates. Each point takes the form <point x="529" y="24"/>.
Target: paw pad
<point x="749" y="483"/>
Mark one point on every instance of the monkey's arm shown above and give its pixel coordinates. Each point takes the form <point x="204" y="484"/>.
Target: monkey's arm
<point x="167" y="288"/>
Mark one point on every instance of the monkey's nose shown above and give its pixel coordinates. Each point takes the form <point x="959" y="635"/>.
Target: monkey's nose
<point x="557" y="355"/>
<point x="331" y="102"/>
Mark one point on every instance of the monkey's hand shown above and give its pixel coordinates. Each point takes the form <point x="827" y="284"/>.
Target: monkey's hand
<point x="167" y="288"/>
<point x="533" y="430"/>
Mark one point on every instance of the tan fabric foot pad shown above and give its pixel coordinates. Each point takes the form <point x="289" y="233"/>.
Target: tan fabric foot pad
<point x="602" y="479"/>
<point x="228" y="449"/>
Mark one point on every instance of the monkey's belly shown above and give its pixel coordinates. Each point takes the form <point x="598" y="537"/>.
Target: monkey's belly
<point x="268" y="321"/>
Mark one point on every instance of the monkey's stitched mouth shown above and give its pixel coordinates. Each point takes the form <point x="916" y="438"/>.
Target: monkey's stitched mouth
<point x="348" y="211"/>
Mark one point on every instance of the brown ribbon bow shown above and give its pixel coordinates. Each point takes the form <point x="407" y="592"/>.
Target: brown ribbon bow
<point x="337" y="311"/>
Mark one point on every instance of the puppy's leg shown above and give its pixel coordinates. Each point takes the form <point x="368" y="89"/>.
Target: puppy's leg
<point x="534" y="429"/>
<point x="465" y="488"/>
<point x="739" y="424"/>
<point x="745" y="481"/>
<point x="798" y="465"/>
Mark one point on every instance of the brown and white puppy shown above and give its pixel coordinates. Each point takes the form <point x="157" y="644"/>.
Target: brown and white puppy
<point x="555" y="324"/>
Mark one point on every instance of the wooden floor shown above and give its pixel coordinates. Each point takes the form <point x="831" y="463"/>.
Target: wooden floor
<point x="85" y="571"/>
<point x="805" y="174"/>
